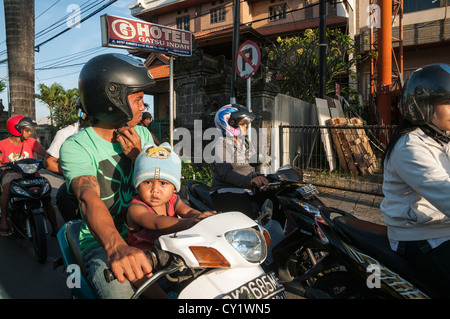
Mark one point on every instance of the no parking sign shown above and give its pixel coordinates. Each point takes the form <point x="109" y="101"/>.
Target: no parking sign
<point x="247" y="59"/>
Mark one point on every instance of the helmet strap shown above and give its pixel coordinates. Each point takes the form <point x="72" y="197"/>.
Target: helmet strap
<point x="435" y="133"/>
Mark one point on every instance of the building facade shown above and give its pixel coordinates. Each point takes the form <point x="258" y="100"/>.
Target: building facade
<point x="420" y="36"/>
<point x="202" y="81"/>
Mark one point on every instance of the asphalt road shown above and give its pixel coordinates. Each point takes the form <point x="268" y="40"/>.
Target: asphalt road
<point x="21" y="275"/>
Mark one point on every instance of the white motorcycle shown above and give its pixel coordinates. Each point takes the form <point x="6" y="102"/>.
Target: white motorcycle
<point x="218" y="258"/>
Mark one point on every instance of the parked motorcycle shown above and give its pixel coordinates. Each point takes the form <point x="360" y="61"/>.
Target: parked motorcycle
<point x="360" y="263"/>
<point x="30" y="197"/>
<point x="219" y="257"/>
<point x="295" y="246"/>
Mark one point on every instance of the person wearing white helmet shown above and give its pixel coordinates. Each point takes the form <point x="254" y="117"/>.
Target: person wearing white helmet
<point x="233" y="176"/>
<point x="416" y="185"/>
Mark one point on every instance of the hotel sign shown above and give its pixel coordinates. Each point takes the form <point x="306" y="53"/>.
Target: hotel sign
<point x="118" y="32"/>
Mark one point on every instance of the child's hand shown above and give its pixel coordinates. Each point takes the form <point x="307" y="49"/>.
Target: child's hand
<point x="204" y="215"/>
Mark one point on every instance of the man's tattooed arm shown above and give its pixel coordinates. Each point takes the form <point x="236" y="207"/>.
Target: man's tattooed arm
<point x="84" y="183"/>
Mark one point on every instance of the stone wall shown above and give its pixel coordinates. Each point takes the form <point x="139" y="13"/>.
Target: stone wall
<point x="202" y="86"/>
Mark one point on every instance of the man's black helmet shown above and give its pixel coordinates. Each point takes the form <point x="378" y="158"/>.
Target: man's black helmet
<point x="422" y="87"/>
<point x="105" y="83"/>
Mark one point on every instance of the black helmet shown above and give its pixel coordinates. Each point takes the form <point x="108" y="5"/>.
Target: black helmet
<point x="105" y="83"/>
<point x="420" y="90"/>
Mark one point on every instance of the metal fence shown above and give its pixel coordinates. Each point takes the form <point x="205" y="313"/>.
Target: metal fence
<point x="345" y="156"/>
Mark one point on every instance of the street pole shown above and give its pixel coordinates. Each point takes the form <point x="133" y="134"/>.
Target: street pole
<point x="171" y="100"/>
<point x="384" y="67"/>
<point x="235" y="46"/>
<point x="322" y="47"/>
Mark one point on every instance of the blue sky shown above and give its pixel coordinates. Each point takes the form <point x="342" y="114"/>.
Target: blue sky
<point x="75" y="46"/>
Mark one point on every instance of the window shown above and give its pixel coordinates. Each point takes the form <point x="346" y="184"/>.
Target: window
<point x="183" y="23"/>
<point x="277" y="12"/>
<point x="419" y="5"/>
<point x="217" y="14"/>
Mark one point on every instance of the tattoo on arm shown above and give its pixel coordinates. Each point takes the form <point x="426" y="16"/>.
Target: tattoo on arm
<point x="84" y="183"/>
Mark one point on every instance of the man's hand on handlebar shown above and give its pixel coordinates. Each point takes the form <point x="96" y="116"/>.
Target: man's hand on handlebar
<point x="129" y="263"/>
<point x="259" y="182"/>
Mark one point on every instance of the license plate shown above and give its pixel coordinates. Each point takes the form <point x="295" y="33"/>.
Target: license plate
<point x="263" y="287"/>
<point x="307" y="191"/>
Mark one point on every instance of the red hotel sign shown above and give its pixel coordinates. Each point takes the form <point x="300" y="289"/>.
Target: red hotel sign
<point x="134" y="34"/>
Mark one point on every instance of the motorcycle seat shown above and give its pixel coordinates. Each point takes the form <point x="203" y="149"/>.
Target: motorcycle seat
<point x="72" y="235"/>
<point x="202" y="191"/>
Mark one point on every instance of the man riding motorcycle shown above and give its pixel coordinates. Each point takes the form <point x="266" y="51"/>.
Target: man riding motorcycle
<point x="98" y="165"/>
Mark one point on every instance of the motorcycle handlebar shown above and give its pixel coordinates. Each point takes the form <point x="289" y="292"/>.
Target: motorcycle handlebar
<point x="158" y="259"/>
<point x="271" y="184"/>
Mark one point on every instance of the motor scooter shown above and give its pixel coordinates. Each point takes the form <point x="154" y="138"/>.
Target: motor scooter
<point x="360" y="263"/>
<point x="288" y="214"/>
<point x="28" y="204"/>
<point x="218" y="258"/>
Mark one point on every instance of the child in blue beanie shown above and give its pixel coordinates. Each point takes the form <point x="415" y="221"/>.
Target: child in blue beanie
<point x="156" y="209"/>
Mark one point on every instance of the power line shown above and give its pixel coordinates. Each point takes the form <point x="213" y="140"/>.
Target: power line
<point x="82" y="20"/>
<point x="47" y="9"/>
<point x="49" y="29"/>
<point x="63" y="21"/>
<point x="63" y="63"/>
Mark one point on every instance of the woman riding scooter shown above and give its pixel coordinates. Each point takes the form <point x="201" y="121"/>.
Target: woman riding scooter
<point x="233" y="176"/>
<point x="17" y="146"/>
<point x="416" y="183"/>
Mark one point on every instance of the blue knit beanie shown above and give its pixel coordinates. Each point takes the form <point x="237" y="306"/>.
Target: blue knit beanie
<point x="157" y="162"/>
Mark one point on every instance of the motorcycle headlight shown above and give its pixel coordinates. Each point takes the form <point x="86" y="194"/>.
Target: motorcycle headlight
<point x="249" y="242"/>
<point x="29" y="168"/>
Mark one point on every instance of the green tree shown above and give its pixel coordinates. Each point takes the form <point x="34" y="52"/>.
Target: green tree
<point x="296" y="61"/>
<point x="2" y="85"/>
<point x="64" y="112"/>
<point x="61" y="103"/>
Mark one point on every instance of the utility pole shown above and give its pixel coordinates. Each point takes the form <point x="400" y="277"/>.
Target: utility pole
<point x="384" y="67"/>
<point x="235" y="46"/>
<point x="19" y="22"/>
<point x="322" y="47"/>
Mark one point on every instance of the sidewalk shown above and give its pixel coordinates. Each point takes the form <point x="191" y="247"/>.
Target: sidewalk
<point x="363" y="206"/>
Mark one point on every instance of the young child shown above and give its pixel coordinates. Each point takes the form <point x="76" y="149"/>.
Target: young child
<point x="158" y="210"/>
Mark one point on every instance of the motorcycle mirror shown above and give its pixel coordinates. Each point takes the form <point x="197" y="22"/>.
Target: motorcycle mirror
<point x="266" y="212"/>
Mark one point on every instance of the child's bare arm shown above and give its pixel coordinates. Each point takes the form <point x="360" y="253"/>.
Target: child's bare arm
<point x="139" y="216"/>
<point x="185" y="211"/>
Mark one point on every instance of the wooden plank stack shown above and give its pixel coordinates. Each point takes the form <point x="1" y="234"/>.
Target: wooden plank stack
<point x="352" y="146"/>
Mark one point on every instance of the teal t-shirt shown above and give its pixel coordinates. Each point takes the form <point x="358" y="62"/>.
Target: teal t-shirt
<point x="86" y="153"/>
